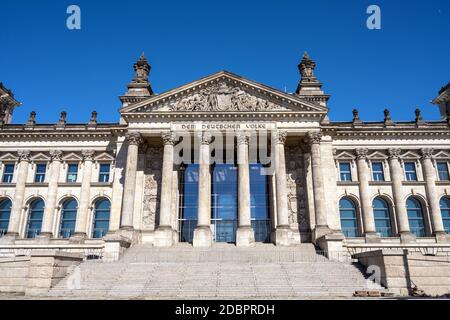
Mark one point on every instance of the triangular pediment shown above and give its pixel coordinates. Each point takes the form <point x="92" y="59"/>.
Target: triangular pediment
<point x="104" y="157"/>
<point x="410" y="155"/>
<point x="344" y="155"/>
<point x="224" y="92"/>
<point x="40" y="157"/>
<point x="377" y="155"/>
<point x="8" y="157"/>
<point x="72" y="157"/>
<point x="442" y="155"/>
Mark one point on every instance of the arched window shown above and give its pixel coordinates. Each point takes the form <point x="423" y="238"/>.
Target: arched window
<point x="415" y="217"/>
<point x="35" y="215"/>
<point x="349" y="222"/>
<point x="102" y="211"/>
<point x="68" y="218"/>
<point x="445" y="212"/>
<point x="382" y="217"/>
<point x="5" y="212"/>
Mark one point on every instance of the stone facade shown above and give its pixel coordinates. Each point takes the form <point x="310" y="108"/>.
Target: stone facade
<point x="142" y="188"/>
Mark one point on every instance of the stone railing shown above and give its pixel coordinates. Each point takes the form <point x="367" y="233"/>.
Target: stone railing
<point x="435" y="249"/>
<point x="89" y="251"/>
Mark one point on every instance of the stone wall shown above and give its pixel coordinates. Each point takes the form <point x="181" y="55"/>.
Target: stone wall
<point x="13" y="274"/>
<point x="37" y="273"/>
<point x="404" y="272"/>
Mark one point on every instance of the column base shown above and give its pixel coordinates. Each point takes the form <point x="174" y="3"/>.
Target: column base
<point x="442" y="237"/>
<point x="372" y="237"/>
<point x="9" y="238"/>
<point x="282" y="236"/>
<point x="245" y="237"/>
<point x="44" y="237"/>
<point x="78" y="237"/>
<point x="164" y="236"/>
<point x="332" y="245"/>
<point x="321" y="231"/>
<point x="407" y="237"/>
<point x="202" y="237"/>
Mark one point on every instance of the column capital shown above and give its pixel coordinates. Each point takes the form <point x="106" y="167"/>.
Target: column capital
<point x="56" y="155"/>
<point x="88" y="155"/>
<point x="24" y="155"/>
<point x="280" y="136"/>
<point x="427" y="153"/>
<point x="169" y="137"/>
<point x="361" y="153"/>
<point x="394" y="153"/>
<point x="314" y="137"/>
<point x="134" y="138"/>
<point x="205" y="137"/>
<point x="242" y="137"/>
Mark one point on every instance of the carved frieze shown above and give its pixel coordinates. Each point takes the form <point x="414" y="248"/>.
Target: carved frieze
<point x="221" y="97"/>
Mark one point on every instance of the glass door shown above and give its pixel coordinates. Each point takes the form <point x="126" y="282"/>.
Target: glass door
<point x="224" y="203"/>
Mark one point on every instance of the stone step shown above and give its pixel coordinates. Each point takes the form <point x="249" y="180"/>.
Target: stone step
<point x="220" y="272"/>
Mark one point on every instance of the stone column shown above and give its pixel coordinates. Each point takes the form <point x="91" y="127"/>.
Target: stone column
<point x="364" y="194"/>
<point x="321" y="229"/>
<point x="134" y="140"/>
<point x="282" y="232"/>
<point x="81" y="226"/>
<point x="202" y="233"/>
<point x="433" y="200"/>
<point x="19" y="194"/>
<point x="245" y="236"/>
<point x="164" y="235"/>
<point x="397" y="178"/>
<point x="52" y="192"/>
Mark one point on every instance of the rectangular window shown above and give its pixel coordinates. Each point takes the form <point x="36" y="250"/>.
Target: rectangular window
<point x="443" y="171"/>
<point x="72" y="173"/>
<point x="104" y="172"/>
<point x="346" y="174"/>
<point x="410" y="171"/>
<point x="8" y="173"/>
<point x="377" y="171"/>
<point x="39" y="176"/>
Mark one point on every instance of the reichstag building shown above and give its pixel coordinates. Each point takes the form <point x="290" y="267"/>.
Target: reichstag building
<point x="225" y="159"/>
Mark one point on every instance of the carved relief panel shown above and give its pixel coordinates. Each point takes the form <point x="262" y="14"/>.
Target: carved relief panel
<point x="296" y="187"/>
<point x="152" y="187"/>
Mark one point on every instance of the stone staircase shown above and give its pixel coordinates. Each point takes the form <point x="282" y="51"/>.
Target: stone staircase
<point x="221" y="272"/>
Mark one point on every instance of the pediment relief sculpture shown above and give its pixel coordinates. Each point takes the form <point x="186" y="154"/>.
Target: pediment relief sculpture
<point x="220" y="97"/>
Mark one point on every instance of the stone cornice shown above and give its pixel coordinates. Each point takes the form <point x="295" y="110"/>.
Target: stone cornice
<point x="101" y="131"/>
<point x="254" y="116"/>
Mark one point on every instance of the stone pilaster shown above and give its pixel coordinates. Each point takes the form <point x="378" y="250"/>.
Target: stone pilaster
<point x="397" y="178"/>
<point x="52" y="192"/>
<point x="202" y="233"/>
<point x="282" y="233"/>
<point x="81" y="226"/>
<point x="164" y="234"/>
<point x="321" y="229"/>
<point x="134" y="140"/>
<point x="19" y="194"/>
<point x="364" y="194"/>
<point x="245" y="236"/>
<point x="433" y="200"/>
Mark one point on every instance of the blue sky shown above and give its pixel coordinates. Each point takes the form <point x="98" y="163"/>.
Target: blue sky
<point x="50" y="68"/>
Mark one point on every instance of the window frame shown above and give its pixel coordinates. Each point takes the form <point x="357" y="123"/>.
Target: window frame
<point x="4" y="174"/>
<point x="447" y="170"/>
<point x="354" y="209"/>
<point x="375" y="173"/>
<point x="445" y="220"/>
<point x="38" y="174"/>
<point x="69" y="173"/>
<point x="344" y="173"/>
<point x="408" y="173"/>
<point x="102" y="174"/>
<point x="387" y="209"/>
